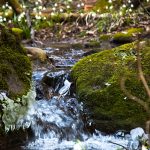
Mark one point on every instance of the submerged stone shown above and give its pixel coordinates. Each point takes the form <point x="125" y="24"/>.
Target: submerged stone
<point x="53" y="78"/>
<point x="97" y="79"/>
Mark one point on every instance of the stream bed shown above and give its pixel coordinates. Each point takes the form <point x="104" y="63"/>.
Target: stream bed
<point x="57" y="119"/>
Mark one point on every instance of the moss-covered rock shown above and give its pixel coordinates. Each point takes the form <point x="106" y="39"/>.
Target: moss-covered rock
<point x="15" y="80"/>
<point x="104" y="37"/>
<point x="97" y="80"/>
<point x="127" y="36"/>
<point x="15" y="66"/>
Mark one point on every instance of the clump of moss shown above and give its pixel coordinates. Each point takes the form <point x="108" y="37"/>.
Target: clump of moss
<point x="135" y="30"/>
<point x="127" y="36"/>
<point x="15" y="66"/>
<point x="92" y="43"/>
<point x="17" y="31"/>
<point x="104" y="37"/>
<point x="97" y="80"/>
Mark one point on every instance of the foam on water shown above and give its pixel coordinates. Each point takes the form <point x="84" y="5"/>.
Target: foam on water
<point x="57" y="126"/>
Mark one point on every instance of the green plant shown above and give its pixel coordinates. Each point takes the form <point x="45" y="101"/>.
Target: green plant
<point x="82" y="34"/>
<point x="20" y="22"/>
<point x="104" y="24"/>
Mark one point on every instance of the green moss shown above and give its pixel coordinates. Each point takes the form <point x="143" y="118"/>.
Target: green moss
<point x="98" y="86"/>
<point x="82" y="34"/>
<point x="14" y="65"/>
<point x="94" y="43"/>
<point x="17" y="31"/>
<point x="122" y="37"/>
<point x="77" y="45"/>
<point x="44" y="24"/>
<point x="127" y="36"/>
<point x="3" y="84"/>
<point x="104" y="37"/>
<point x="135" y="30"/>
<point x="10" y="41"/>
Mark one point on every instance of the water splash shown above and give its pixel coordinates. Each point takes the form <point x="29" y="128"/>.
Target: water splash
<point x="57" y="124"/>
<point x="65" y="89"/>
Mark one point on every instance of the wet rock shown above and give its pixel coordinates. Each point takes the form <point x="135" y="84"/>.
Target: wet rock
<point x="90" y="52"/>
<point x="137" y="133"/>
<point x="43" y="91"/>
<point x="52" y="79"/>
<point x="50" y="84"/>
<point x="137" y="138"/>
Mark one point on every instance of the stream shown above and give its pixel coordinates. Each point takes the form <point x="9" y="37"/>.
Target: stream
<point x="57" y="120"/>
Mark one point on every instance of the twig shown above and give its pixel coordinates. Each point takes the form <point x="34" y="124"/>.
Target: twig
<point x="119" y="145"/>
<point x="132" y="97"/>
<point x="141" y="74"/>
<point x="144" y="7"/>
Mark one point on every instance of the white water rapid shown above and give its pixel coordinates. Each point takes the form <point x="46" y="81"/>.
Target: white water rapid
<point x="57" y="125"/>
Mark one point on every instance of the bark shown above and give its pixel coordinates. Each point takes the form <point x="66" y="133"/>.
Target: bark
<point x="16" y="6"/>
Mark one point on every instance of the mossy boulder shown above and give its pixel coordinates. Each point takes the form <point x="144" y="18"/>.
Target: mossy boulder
<point x="97" y="79"/>
<point x="15" y="66"/>
<point x="127" y="36"/>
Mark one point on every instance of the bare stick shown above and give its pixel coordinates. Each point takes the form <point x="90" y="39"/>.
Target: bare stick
<point x="132" y="97"/>
<point x="141" y="74"/>
<point x="119" y="145"/>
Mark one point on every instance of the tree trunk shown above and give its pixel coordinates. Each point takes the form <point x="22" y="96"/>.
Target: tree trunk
<point x="16" y="6"/>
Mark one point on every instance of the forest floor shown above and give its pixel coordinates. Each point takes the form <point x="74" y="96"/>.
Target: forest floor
<point x="90" y="28"/>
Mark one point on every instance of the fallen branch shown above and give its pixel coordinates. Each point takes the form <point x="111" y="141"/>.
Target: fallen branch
<point x="141" y="74"/>
<point x="132" y="97"/>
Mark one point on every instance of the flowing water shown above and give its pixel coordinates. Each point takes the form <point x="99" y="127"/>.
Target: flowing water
<point x="57" y="122"/>
<point x="57" y="125"/>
